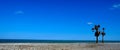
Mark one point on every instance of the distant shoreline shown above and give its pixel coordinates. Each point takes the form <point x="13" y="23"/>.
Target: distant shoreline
<point x="52" y="41"/>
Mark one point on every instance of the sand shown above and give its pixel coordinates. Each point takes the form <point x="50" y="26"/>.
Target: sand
<point x="59" y="46"/>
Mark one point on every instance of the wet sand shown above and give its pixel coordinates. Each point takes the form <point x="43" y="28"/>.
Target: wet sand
<point x="59" y="46"/>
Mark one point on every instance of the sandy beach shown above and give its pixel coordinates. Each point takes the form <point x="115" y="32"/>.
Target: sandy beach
<point x="59" y="46"/>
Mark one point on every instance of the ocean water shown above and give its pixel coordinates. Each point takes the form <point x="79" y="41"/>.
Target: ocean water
<point x="52" y="41"/>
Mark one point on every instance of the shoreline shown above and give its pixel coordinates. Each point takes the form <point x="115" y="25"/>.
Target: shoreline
<point x="59" y="46"/>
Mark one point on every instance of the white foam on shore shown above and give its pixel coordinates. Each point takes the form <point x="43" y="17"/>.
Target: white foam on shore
<point x="50" y="43"/>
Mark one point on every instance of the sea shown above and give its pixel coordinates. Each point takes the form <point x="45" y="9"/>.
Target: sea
<point x="53" y="41"/>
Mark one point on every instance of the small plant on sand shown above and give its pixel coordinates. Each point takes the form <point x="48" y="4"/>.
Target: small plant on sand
<point x="103" y="34"/>
<point x="97" y="32"/>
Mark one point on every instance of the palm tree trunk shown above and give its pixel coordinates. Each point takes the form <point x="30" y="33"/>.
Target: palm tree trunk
<point x="96" y="39"/>
<point x="102" y="39"/>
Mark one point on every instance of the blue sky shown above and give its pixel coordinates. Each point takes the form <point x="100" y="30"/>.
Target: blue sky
<point x="58" y="19"/>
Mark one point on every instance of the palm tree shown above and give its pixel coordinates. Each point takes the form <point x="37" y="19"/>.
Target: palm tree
<point x="97" y="33"/>
<point x="103" y="34"/>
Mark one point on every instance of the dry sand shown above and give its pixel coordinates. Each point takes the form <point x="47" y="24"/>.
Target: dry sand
<point x="59" y="46"/>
